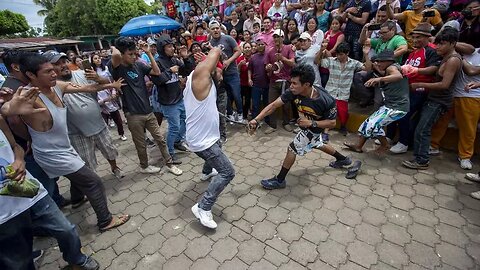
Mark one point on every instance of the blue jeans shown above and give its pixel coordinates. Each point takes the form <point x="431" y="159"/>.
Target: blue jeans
<point x="259" y="98"/>
<point x="50" y="184"/>
<point x="215" y="158"/>
<point x="430" y="113"/>
<point x="232" y="85"/>
<point x="16" y="236"/>
<point x="407" y="124"/>
<point x="175" y="115"/>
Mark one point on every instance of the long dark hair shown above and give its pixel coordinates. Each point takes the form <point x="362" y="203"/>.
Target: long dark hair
<point x="286" y="26"/>
<point x="94" y="66"/>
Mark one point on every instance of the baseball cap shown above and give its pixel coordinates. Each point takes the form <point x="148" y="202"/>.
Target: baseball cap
<point x="53" y="56"/>
<point x="213" y="23"/>
<point x="278" y="32"/>
<point x="305" y="35"/>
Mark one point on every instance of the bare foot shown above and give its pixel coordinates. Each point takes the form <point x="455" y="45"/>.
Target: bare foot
<point x="116" y="221"/>
<point x="353" y="147"/>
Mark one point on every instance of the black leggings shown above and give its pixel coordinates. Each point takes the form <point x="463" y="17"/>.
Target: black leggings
<point x="117" y="118"/>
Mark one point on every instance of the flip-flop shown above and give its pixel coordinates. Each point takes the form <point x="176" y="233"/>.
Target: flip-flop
<point x="353" y="170"/>
<point x="352" y="148"/>
<point x="118" y="222"/>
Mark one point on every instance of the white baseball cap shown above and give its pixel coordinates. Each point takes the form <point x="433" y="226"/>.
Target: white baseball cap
<point x="279" y="33"/>
<point x="305" y="35"/>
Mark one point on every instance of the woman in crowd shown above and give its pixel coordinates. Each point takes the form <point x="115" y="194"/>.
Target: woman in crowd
<point x="235" y="23"/>
<point x="315" y="33"/>
<point x="290" y="30"/>
<point x="322" y="15"/>
<point x="242" y="64"/>
<point x="333" y="38"/>
<point x="233" y="33"/>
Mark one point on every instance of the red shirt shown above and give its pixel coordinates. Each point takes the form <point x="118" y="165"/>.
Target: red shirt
<point x="265" y="5"/>
<point x="243" y="70"/>
<point x="171" y="9"/>
<point x="201" y="39"/>
<point x="284" y="73"/>
<point x="421" y="58"/>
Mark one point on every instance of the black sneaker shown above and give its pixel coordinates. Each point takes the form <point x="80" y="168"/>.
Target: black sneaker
<point x="343" y="131"/>
<point x="89" y="264"/>
<point x="413" y="164"/>
<point x="340" y="163"/>
<point x="181" y="146"/>
<point x="273" y="183"/>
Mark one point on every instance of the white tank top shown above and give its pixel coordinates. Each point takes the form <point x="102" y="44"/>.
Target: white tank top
<point x="202" y="120"/>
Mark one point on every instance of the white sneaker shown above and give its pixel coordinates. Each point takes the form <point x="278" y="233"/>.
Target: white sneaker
<point x="111" y="123"/>
<point x="465" y="164"/>
<point x="399" y="148"/>
<point x="150" y="169"/>
<point x="123" y="138"/>
<point x="475" y="177"/>
<point x="205" y="177"/>
<point x="118" y="173"/>
<point x="475" y="195"/>
<point x="433" y="151"/>
<point x="174" y="170"/>
<point x="240" y="118"/>
<point x="205" y="217"/>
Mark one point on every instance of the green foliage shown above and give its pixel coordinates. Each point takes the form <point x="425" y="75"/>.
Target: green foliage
<point x="12" y="23"/>
<point x="92" y="17"/>
<point x="47" y="6"/>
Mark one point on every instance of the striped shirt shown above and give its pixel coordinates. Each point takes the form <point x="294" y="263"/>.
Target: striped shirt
<point x="340" y="80"/>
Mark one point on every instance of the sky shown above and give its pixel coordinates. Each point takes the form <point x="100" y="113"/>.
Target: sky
<point x="25" y="7"/>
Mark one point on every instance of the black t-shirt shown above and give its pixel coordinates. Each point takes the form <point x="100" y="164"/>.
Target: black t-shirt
<point x="323" y="107"/>
<point x="12" y="83"/>
<point x="135" y="94"/>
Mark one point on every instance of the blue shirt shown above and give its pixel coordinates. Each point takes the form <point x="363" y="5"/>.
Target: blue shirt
<point x="228" y="10"/>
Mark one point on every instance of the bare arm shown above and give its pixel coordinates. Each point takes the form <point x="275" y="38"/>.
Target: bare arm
<point x="340" y="39"/>
<point x="363" y="34"/>
<point x="394" y="16"/>
<point x="155" y="71"/>
<point x="236" y="53"/>
<point x="19" y="162"/>
<point x="116" y="57"/>
<point x="451" y="69"/>
<point x="428" y="70"/>
<point x="201" y="77"/>
<point x="358" y="20"/>
<point x="470" y="70"/>
<point x="269" y="109"/>
<point x="67" y="87"/>
<point x="401" y="50"/>
<point x="464" y="48"/>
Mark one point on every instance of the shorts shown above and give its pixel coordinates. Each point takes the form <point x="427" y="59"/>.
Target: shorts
<point x="304" y="142"/>
<point x="85" y="147"/>
<point x="373" y="126"/>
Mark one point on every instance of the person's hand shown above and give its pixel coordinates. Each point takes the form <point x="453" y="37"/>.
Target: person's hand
<point x="183" y="52"/>
<point x="23" y="102"/>
<point x="241" y="63"/>
<point x="304" y="122"/>
<point x="268" y="67"/>
<point x="252" y="127"/>
<point x="118" y="84"/>
<point x="366" y="49"/>
<point x="472" y="85"/>
<point x="199" y="57"/>
<point x="149" y="85"/>
<point x="144" y="46"/>
<point x="373" y="82"/>
<point x="174" y="69"/>
<point x="6" y="94"/>
<point x="409" y="70"/>
<point x="250" y="82"/>
<point x="226" y="63"/>
<point x="352" y="10"/>
<point x="91" y="75"/>
<point x="19" y="171"/>
<point x="279" y="57"/>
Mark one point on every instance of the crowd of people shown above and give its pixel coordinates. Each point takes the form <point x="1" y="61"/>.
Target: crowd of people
<point x="416" y="65"/>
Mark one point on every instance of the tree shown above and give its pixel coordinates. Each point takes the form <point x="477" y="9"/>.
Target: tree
<point x="47" y="5"/>
<point x="92" y="17"/>
<point x="12" y="23"/>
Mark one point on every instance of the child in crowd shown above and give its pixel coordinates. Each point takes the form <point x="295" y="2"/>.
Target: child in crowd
<point x="342" y="68"/>
<point x="256" y="30"/>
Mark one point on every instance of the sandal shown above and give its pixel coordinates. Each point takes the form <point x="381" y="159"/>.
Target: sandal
<point x="120" y="220"/>
<point x="353" y="170"/>
<point x="352" y="147"/>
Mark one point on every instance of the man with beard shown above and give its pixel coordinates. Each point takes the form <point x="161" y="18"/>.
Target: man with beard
<point x="50" y="144"/>
<point x="170" y="94"/>
<point x="86" y="129"/>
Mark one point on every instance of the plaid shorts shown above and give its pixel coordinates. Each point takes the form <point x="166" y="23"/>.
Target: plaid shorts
<point x="305" y="141"/>
<point x="85" y="147"/>
<point x="372" y="127"/>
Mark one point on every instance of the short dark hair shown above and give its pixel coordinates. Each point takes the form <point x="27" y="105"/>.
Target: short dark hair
<point x="448" y="34"/>
<point x="267" y="18"/>
<point x="31" y="62"/>
<point x="304" y="72"/>
<point x="294" y="36"/>
<point x="382" y="8"/>
<point x="125" y="43"/>
<point x="256" y="24"/>
<point x="10" y="57"/>
<point x="343" y="48"/>
<point x="391" y="25"/>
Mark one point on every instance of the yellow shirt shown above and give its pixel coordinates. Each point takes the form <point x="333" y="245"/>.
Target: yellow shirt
<point x="412" y="19"/>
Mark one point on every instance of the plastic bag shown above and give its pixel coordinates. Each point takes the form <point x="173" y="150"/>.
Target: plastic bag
<point x="28" y="188"/>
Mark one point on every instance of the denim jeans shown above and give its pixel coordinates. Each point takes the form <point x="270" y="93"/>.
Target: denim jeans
<point x="430" y="113"/>
<point x="259" y="99"/>
<point x="50" y="184"/>
<point x="232" y="85"/>
<point x="355" y="46"/>
<point x="175" y="115"/>
<point x="215" y="158"/>
<point x="407" y="124"/>
<point x="222" y="107"/>
<point x="16" y="236"/>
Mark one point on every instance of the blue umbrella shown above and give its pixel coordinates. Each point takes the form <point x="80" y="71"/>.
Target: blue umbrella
<point x="148" y="24"/>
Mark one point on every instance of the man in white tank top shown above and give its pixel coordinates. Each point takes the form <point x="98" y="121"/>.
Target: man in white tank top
<point x="203" y="134"/>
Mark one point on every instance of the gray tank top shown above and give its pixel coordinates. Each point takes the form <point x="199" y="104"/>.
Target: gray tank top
<point x="52" y="149"/>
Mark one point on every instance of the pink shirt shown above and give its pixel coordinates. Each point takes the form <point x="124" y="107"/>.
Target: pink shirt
<point x="284" y="73"/>
<point x="267" y="38"/>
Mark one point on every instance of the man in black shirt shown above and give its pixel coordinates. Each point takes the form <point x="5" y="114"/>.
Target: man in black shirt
<point x="136" y="104"/>
<point x="317" y="111"/>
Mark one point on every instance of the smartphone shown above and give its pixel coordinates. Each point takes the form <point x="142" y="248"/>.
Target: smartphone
<point x="373" y="27"/>
<point x="86" y="64"/>
<point x="429" y="13"/>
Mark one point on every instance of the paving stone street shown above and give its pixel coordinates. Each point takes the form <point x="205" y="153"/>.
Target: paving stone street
<point x="388" y="218"/>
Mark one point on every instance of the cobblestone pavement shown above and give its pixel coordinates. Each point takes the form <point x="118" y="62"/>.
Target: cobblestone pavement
<point x="388" y="218"/>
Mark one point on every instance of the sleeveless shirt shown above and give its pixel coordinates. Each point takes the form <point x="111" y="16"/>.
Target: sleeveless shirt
<point x="202" y="120"/>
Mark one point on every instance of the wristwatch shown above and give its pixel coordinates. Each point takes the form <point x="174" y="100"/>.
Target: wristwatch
<point x="314" y="124"/>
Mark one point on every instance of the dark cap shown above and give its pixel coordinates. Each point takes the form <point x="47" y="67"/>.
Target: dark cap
<point x="386" y="55"/>
<point x="54" y="56"/>
<point x="423" y="29"/>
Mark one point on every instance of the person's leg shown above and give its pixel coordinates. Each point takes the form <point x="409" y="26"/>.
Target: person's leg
<point x="430" y="113"/>
<point x="103" y="142"/>
<point x="152" y="126"/>
<point x="47" y="217"/>
<point x="324" y="75"/>
<point x="440" y="127"/>
<point x="159" y="117"/>
<point x="85" y="147"/>
<point x="256" y="96"/>
<point x="342" y="109"/>
<point x="215" y="158"/>
<point x="364" y="94"/>
<point x="287" y="109"/>
<point x="246" y="97"/>
<point x="173" y="119"/>
<point x="273" y="94"/>
<point x="117" y="118"/>
<point x="408" y="123"/>
<point x="467" y="113"/>
<point x="16" y="241"/>
<point x="136" y="125"/>
<point x="356" y="52"/>
<point x="233" y="80"/>
<point x="105" y="117"/>
<point x="183" y="127"/>
<point x="265" y="101"/>
<point x="222" y="107"/>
